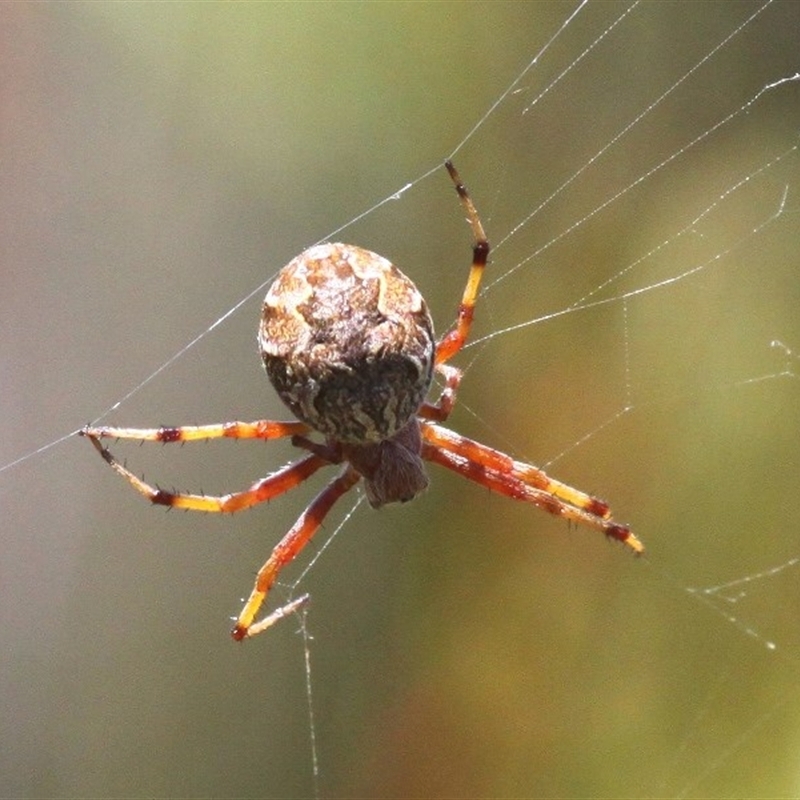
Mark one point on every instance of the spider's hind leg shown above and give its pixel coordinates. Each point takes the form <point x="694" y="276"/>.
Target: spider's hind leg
<point x="440" y="410"/>
<point x="454" y="340"/>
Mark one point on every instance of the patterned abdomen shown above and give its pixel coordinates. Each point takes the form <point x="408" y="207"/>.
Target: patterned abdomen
<point x="347" y="342"/>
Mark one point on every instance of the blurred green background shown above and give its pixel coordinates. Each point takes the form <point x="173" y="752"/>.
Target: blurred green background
<point x="160" y="161"/>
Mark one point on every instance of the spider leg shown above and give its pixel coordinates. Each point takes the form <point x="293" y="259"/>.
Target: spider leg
<point x="499" y="462"/>
<point x="278" y="614"/>
<point x="520" y="481"/>
<point x="261" y="429"/>
<point x="273" y="485"/>
<point x="453" y="341"/>
<point x="440" y="410"/>
<point x="285" y="551"/>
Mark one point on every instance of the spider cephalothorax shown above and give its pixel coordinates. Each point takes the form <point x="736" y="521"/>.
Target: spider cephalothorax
<point x="348" y="344"/>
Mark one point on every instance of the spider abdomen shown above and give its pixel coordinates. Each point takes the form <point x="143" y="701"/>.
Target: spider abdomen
<point x="347" y="342"/>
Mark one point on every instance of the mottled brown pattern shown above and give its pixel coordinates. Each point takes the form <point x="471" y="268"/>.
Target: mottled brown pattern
<point x="347" y="342"/>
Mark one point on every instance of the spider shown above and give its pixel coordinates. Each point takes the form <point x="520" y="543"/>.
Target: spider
<point x="347" y="341"/>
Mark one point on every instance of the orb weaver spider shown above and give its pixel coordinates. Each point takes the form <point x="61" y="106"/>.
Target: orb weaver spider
<point x="347" y="341"/>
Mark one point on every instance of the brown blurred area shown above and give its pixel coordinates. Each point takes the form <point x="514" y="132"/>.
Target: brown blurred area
<point x="158" y="163"/>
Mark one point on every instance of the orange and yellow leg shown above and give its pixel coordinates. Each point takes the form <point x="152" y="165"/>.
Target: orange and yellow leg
<point x="453" y="341"/>
<point x="261" y="429"/>
<point x="500" y="473"/>
<point x="272" y="486"/>
<point x="285" y="551"/>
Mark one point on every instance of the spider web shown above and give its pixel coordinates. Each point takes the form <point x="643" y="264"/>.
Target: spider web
<point x="635" y="167"/>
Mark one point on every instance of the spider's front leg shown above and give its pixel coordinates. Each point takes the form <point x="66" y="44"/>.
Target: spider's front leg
<point x="500" y="473"/>
<point x="285" y="551"/>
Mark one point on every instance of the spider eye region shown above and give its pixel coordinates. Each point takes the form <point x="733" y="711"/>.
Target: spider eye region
<point x="347" y="341"/>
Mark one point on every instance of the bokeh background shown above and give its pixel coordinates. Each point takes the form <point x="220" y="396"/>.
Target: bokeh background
<point x="159" y="162"/>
